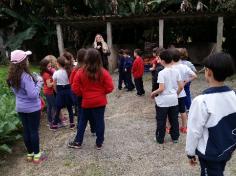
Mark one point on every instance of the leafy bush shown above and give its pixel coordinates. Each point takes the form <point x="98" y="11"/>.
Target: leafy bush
<point x="10" y="124"/>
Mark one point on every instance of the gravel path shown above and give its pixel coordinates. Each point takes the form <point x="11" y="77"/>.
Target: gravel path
<point x="129" y="148"/>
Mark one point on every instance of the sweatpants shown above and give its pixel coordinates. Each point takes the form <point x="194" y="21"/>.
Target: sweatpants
<point x="188" y="95"/>
<point x="161" y="116"/>
<point x="30" y="122"/>
<point x="51" y="107"/>
<point x="139" y="86"/>
<point x="96" y="115"/>
<point x="212" y="168"/>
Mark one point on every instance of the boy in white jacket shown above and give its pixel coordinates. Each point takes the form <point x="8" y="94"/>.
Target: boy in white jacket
<point x="212" y="119"/>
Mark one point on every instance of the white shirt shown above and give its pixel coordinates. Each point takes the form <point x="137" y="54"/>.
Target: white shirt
<point x="169" y="77"/>
<point x="61" y="77"/>
<point x="185" y="73"/>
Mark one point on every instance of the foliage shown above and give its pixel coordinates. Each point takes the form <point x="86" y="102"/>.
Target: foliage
<point x="9" y="123"/>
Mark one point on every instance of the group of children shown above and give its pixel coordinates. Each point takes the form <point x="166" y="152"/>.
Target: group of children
<point x="211" y="125"/>
<point x="128" y="67"/>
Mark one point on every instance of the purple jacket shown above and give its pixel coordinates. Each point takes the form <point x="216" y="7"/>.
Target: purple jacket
<point x="27" y="97"/>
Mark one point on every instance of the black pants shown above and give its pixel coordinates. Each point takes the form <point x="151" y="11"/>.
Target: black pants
<point x="161" y="116"/>
<point x="139" y="86"/>
<point x="212" y="168"/>
<point x="96" y="115"/>
<point x="30" y="122"/>
<point x="128" y="80"/>
<point x="121" y="79"/>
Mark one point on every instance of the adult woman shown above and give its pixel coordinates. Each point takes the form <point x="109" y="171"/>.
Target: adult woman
<point x="103" y="48"/>
<point x="26" y="88"/>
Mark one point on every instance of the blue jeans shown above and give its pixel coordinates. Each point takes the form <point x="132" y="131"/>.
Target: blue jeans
<point x="51" y="107"/>
<point x="96" y="116"/>
<point x="188" y="95"/>
<point x="30" y="122"/>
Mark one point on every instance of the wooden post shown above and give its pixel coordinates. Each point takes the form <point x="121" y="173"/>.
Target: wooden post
<point x="109" y="34"/>
<point x="161" y="32"/>
<point x="220" y="28"/>
<point x="112" y="58"/>
<point x="60" y="39"/>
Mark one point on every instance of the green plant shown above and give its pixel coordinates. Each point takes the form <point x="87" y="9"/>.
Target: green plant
<point x="9" y="123"/>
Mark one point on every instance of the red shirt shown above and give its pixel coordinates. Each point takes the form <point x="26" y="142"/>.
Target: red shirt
<point x="72" y="75"/>
<point x="47" y="90"/>
<point x="93" y="92"/>
<point x="138" y="67"/>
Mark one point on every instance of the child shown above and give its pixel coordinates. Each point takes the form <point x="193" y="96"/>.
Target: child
<point x="80" y="59"/>
<point x="127" y="70"/>
<point x="121" y="69"/>
<point x="137" y="71"/>
<point x="45" y="72"/>
<point x="187" y="75"/>
<point x="28" y="105"/>
<point x="92" y="82"/>
<point x="53" y="60"/>
<point x="185" y="60"/>
<point x="167" y="100"/>
<point x="212" y="118"/>
<point x="63" y="93"/>
<point x="156" y="67"/>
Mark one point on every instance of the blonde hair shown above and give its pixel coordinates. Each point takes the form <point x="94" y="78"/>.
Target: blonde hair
<point x="51" y="59"/>
<point x="183" y="53"/>
<point x="105" y="48"/>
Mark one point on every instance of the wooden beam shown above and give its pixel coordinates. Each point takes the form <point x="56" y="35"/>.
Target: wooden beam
<point x="60" y="39"/>
<point x="161" y="33"/>
<point x="220" y="28"/>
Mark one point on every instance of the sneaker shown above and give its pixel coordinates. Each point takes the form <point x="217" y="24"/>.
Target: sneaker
<point x="72" y="126"/>
<point x="175" y="141"/>
<point x="39" y="158"/>
<point x="99" y="146"/>
<point x="183" y="130"/>
<point x="30" y="157"/>
<point x="167" y="130"/>
<point x="74" y="144"/>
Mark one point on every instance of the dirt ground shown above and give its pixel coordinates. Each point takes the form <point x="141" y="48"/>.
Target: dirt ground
<point x="129" y="148"/>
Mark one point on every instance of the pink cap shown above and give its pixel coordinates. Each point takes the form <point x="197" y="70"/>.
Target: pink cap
<point x="18" y="55"/>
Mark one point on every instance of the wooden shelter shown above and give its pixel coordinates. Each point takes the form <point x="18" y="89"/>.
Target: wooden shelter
<point x="109" y="21"/>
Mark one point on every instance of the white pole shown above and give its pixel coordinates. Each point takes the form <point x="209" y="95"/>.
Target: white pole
<point x="161" y="33"/>
<point x="60" y="39"/>
<point x="220" y="28"/>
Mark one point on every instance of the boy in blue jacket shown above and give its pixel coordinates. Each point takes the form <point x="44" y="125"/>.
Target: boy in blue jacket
<point x="212" y="119"/>
<point x="127" y="70"/>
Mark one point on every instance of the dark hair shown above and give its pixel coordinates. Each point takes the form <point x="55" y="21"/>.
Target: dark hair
<point x="154" y="50"/>
<point x="43" y="66"/>
<point x="14" y="73"/>
<point x="80" y="57"/>
<point x="166" y="55"/>
<point x="138" y="52"/>
<point x="121" y="51"/>
<point x="175" y="54"/>
<point x="127" y="52"/>
<point x="221" y="64"/>
<point x="61" y="61"/>
<point x="93" y="64"/>
<point x="68" y="62"/>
